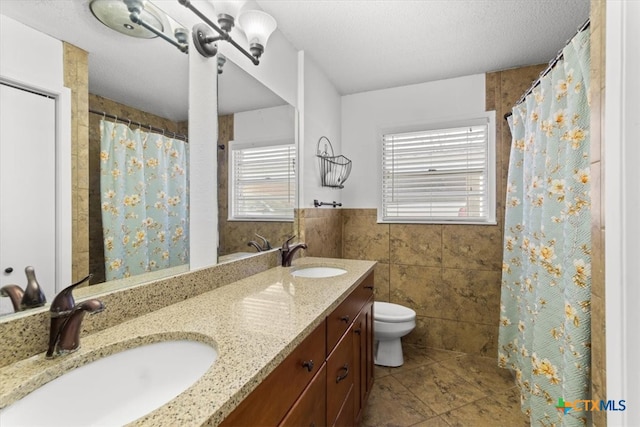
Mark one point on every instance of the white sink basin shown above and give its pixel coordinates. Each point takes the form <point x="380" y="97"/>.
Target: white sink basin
<point x="116" y="389"/>
<point x="318" y="272"/>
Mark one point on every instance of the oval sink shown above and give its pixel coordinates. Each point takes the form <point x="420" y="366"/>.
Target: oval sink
<point x="318" y="272"/>
<point x="116" y="389"/>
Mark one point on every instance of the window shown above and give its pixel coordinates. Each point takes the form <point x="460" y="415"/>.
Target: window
<point x="262" y="181"/>
<point x="439" y="174"/>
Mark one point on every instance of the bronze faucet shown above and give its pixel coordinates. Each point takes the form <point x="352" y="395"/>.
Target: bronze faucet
<point x="66" y="318"/>
<point x="288" y="252"/>
<point x="260" y="248"/>
<point x="31" y="297"/>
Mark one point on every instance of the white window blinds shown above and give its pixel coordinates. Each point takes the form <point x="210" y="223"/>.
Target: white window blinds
<point x="439" y="175"/>
<point x="262" y="181"/>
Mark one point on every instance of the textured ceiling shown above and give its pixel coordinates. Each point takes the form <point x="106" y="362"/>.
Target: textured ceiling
<point x="365" y="45"/>
<point x="360" y="45"/>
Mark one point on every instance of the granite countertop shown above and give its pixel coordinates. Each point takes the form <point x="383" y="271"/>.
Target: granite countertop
<point x="253" y="324"/>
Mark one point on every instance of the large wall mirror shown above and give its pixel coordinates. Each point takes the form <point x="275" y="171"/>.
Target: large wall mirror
<point x="251" y="115"/>
<point x="145" y="82"/>
<point x="140" y="84"/>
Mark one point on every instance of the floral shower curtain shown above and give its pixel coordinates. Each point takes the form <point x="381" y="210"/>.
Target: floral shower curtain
<point x="144" y="187"/>
<point x="545" y="333"/>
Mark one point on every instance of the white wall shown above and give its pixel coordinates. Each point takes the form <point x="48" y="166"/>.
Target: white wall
<point x="30" y="56"/>
<point x="365" y="114"/>
<point x="320" y="106"/>
<point x="265" y="124"/>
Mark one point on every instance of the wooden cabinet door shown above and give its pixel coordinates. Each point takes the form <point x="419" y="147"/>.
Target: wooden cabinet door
<point x="339" y="377"/>
<point x="370" y="341"/>
<point x="363" y="358"/>
<point x="268" y="404"/>
<point x="345" y="416"/>
<point x="311" y="409"/>
<point x="359" y="362"/>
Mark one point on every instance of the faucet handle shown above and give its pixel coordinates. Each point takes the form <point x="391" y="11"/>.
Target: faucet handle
<point x="265" y="243"/>
<point x="64" y="303"/>
<point x="285" y="245"/>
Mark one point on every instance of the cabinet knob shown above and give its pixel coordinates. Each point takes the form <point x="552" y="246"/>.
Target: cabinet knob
<point x="345" y="318"/>
<point x="357" y="331"/>
<point x="308" y="364"/>
<point x="345" y="368"/>
<point x="8" y="270"/>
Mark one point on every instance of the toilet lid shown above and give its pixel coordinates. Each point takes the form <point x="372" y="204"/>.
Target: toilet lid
<point x="392" y="313"/>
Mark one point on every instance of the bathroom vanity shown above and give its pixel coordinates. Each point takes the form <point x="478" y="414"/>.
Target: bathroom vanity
<point x="290" y="350"/>
<point x="326" y="379"/>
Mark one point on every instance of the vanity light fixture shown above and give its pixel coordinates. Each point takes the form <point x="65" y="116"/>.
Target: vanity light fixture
<point x="256" y="24"/>
<point x="138" y="18"/>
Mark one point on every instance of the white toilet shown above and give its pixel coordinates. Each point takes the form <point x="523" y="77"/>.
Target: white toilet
<point x="390" y="323"/>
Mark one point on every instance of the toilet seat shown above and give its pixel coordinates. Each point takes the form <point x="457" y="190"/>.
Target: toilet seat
<point x="392" y="313"/>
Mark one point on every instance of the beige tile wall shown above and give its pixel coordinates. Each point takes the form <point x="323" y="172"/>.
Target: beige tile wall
<point x="76" y="78"/>
<point x="234" y="235"/>
<point x="321" y="230"/>
<point x="598" y="344"/>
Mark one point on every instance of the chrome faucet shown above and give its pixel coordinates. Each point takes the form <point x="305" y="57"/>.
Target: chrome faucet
<point x="31" y="297"/>
<point x="260" y="248"/>
<point x="66" y="318"/>
<point x="289" y="251"/>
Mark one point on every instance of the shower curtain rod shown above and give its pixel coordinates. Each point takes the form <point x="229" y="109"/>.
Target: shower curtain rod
<point x="552" y="64"/>
<point x="149" y="127"/>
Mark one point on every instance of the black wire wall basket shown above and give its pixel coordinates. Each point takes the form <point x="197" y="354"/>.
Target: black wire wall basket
<point x="334" y="170"/>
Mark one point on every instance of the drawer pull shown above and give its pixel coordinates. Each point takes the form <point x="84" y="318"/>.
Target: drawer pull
<point x="345" y="368"/>
<point x="357" y="331"/>
<point x="345" y="318"/>
<point x="308" y="364"/>
<point x="369" y="287"/>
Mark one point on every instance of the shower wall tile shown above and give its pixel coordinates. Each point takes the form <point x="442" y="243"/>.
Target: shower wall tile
<point x="472" y="247"/>
<point x="239" y="233"/>
<point x="363" y="237"/>
<point x="381" y="282"/>
<point x="321" y="230"/>
<point x="416" y="244"/>
<point x="474" y="295"/>
<point x="76" y="78"/>
<point x="420" y="288"/>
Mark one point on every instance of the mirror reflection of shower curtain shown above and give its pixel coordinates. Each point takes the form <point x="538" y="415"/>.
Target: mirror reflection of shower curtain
<point x="145" y="203"/>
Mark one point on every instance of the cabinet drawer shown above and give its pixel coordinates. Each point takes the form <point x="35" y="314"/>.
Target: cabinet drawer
<point x="342" y="317"/>
<point x="286" y="382"/>
<point x="311" y="409"/>
<point x="364" y="291"/>
<point x="339" y="377"/>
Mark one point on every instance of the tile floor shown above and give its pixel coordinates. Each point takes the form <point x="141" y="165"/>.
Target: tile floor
<point x="439" y="388"/>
